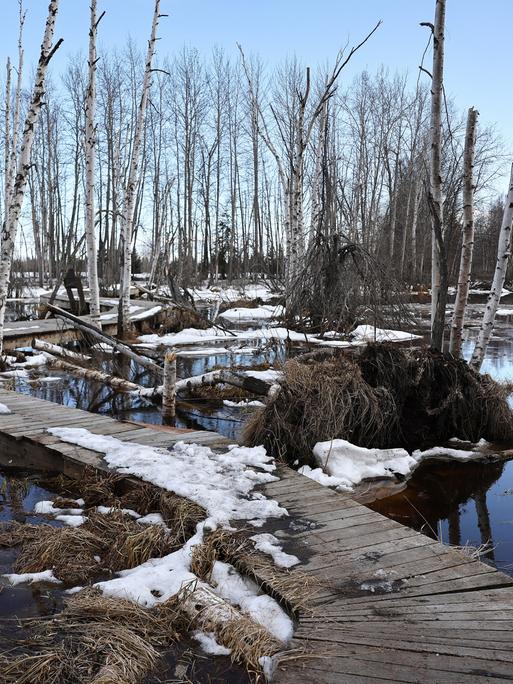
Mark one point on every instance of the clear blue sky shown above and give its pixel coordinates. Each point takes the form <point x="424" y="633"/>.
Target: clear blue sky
<point x="478" y="34"/>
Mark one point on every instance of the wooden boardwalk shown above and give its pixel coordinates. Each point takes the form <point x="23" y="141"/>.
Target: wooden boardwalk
<point x="21" y="333"/>
<point x="392" y="605"/>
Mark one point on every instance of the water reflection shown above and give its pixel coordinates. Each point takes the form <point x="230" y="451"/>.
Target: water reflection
<point x="465" y="503"/>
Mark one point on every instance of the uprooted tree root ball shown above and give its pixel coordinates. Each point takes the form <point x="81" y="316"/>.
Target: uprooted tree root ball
<point x="385" y="397"/>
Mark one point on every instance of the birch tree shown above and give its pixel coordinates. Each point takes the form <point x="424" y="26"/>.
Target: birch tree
<point x="467" y="246"/>
<point x="10" y="225"/>
<point x="132" y="182"/>
<point x="90" y="161"/>
<point x="492" y="304"/>
<point x="435" y="198"/>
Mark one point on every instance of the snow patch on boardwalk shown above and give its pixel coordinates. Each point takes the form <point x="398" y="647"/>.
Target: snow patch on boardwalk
<point x="220" y="482"/>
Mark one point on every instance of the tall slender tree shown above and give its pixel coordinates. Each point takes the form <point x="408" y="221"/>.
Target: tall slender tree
<point x="10" y="225"/>
<point x="90" y="161"/>
<point x="132" y="182"/>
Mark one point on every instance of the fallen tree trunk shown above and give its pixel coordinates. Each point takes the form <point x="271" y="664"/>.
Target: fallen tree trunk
<point x="90" y="329"/>
<point x="245" y="382"/>
<point x="248" y="640"/>
<point x="55" y="350"/>
<point x="94" y="375"/>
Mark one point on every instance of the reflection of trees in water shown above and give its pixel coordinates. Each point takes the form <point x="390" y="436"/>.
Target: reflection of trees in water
<point x="437" y="491"/>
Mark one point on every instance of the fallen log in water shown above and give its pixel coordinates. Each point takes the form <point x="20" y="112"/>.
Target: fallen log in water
<point x="56" y="350"/>
<point x="94" y="375"/>
<point x="90" y="329"/>
<point x="245" y="382"/>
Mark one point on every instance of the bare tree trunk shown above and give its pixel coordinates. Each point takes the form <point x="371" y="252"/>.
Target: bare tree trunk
<point x="467" y="246"/>
<point x="132" y="182"/>
<point x="90" y="147"/>
<point x="10" y="225"/>
<point x="503" y="254"/>
<point x="435" y="180"/>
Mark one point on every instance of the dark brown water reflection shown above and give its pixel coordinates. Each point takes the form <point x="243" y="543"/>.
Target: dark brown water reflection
<point x="465" y="503"/>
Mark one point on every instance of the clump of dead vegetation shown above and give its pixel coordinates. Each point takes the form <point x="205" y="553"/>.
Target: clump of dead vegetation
<point x="385" y="397"/>
<point x="180" y="318"/>
<point x="241" y="304"/>
<point x="105" y="542"/>
<point x="94" y="639"/>
<point x="293" y="589"/>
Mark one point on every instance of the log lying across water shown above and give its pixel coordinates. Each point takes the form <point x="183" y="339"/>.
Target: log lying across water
<point x="89" y="329"/>
<point x="247" y="383"/>
<point x="56" y="350"/>
<point x="94" y="375"/>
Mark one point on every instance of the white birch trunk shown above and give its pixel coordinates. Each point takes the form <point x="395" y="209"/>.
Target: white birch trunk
<point x="435" y="170"/>
<point x="467" y="246"/>
<point x="17" y="107"/>
<point x="90" y="145"/>
<point x="7" y="136"/>
<point x="503" y="254"/>
<point x="414" y="220"/>
<point x="130" y="192"/>
<point x="10" y="225"/>
<point x="169" y="386"/>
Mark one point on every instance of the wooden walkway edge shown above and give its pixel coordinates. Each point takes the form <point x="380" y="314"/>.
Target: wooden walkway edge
<point x="393" y="605"/>
<point x="21" y="333"/>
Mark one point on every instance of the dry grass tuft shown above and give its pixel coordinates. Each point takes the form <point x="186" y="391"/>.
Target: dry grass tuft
<point x="73" y="552"/>
<point x="94" y="639"/>
<point x="181" y="515"/>
<point x="292" y="588"/>
<point x="69" y="551"/>
<point x="386" y="397"/>
<point x="178" y="319"/>
<point x="14" y="534"/>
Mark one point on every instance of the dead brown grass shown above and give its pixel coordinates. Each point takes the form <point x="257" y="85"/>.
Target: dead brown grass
<point x="292" y="588"/>
<point x="178" y="319"/>
<point x="73" y="552"/>
<point x="181" y="515"/>
<point x="94" y="639"/>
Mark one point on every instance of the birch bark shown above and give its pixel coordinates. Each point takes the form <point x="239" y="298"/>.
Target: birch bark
<point x="503" y="254"/>
<point x="90" y="150"/>
<point x="435" y="178"/>
<point x="127" y="222"/>
<point x="467" y="246"/>
<point x="10" y="225"/>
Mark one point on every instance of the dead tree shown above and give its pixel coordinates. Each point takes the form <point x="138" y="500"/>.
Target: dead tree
<point x="132" y="182"/>
<point x="435" y="198"/>
<point x="467" y="246"/>
<point x="10" y="225"/>
<point x="90" y="159"/>
<point x="503" y="254"/>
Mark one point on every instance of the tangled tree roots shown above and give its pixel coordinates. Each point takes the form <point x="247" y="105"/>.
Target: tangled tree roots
<point x="386" y="397"/>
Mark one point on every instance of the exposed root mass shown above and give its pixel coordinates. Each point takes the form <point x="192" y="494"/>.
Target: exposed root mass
<point x="386" y="397"/>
